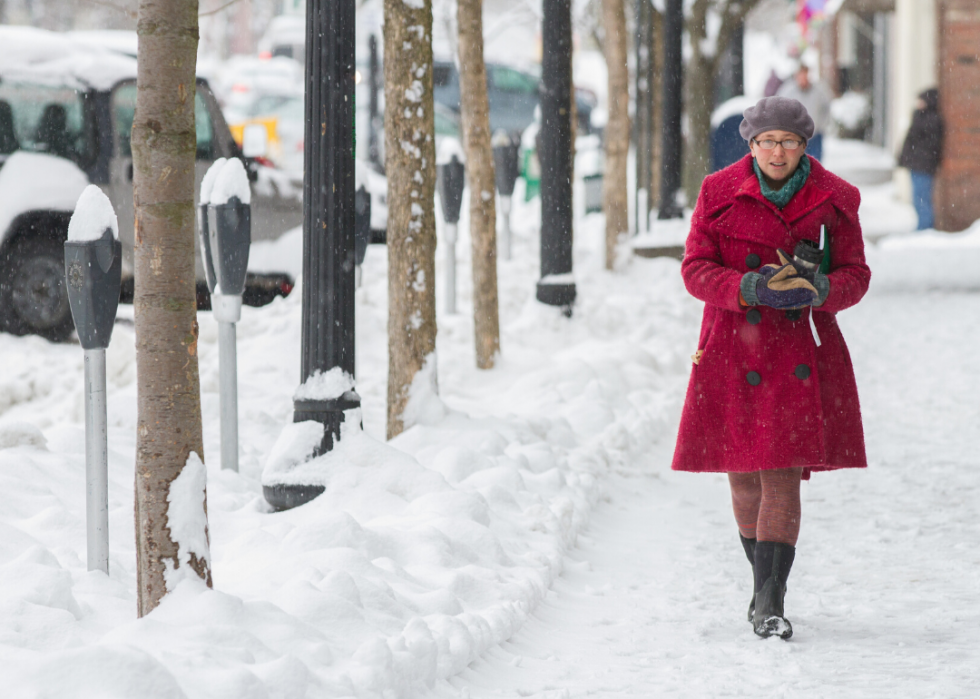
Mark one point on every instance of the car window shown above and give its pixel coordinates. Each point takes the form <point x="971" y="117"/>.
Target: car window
<point x="445" y="124"/>
<point x="510" y="80"/>
<point x="442" y="75"/>
<point x="45" y="119"/>
<point x="124" y="109"/>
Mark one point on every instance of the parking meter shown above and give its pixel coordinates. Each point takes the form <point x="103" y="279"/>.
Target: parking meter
<point x="450" y="180"/>
<point x="203" y="231"/>
<point x="506" y="170"/>
<point x="226" y="235"/>
<point x="93" y="271"/>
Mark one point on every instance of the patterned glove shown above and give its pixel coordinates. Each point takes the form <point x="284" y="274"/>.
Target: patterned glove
<point x="819" y="281"/>
<point x="777" y="286"/>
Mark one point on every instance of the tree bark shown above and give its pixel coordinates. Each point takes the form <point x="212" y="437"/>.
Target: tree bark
<point x="411" y="169"/>
<point x="702" y="70"/>
<point x="168" y="388"/>
<point x="480" y="174"/>
<point x="614" y="189"/>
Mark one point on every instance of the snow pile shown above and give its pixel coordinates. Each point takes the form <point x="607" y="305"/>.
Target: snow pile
<point x="733" y="107"/>
<point x="207" y="184"/>
<point x="325" y="385"/>
<point x="55" y="58"/>
<point x="93" y="216"/>
<point x="187" y="521"/>
<point x="851" y="110"/>
<point x="225" y="179"/>
<point x="422" y="553"/>
<point x="927" y="260"/>
<point x="426" y="551"/>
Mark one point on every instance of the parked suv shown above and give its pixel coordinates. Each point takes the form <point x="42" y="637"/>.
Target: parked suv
<point x="66" y="112"/>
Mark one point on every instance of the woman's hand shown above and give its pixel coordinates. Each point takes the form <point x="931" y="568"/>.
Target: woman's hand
<point x="778" y="286"/>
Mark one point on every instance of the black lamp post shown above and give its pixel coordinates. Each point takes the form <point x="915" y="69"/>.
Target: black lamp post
<point x="328" y="224"/>
<point x="556" y="287"/>
<point x="670" y="173"/>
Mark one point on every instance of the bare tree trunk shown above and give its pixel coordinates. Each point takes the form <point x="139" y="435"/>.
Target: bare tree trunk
<point x="702" y="70"/>
<point x="168" y="388"/>
<point x="411" y="169"/>
<point x="479" y="172"/>
<point x="700" y="81"/>
<point x="614" y="189"/>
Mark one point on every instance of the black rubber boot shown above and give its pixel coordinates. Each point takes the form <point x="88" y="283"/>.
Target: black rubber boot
<point x="772" y="565"/>
<point x="749" y="546"/>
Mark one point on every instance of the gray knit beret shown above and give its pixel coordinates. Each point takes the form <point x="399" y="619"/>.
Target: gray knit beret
<point x="776" y="114"/>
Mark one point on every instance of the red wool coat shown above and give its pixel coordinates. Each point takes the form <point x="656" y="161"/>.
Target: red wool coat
<point x="804" y="412"/>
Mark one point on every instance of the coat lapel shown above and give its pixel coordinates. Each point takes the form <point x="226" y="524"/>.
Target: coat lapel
<point x="750" y="219"/>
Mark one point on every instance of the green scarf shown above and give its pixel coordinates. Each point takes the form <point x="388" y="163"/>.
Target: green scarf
<point x="780" y="197"/>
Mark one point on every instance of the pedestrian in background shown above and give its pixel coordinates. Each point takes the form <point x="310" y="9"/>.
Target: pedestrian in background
<point x="772" y="84"/>
<point x="922" y="153"/>
<point x="816" y="97"/>
<point x="772" y="396"/>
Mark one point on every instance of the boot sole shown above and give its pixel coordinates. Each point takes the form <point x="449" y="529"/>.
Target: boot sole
<point x="774" y="626"/>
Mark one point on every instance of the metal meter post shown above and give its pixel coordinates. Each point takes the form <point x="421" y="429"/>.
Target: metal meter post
<point x="226" y="235"/>
<point x="93" y="269"/>
<point x="506" y="170"/>
<point x="450" y="180"/>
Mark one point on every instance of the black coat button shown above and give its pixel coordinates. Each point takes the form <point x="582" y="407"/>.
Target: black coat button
<point x="753" y="378"/>
<point x="794" y="314"/>
<point x="753" y="316"/>
<point x="802" y="372"/>
<point x="752" y="260"/>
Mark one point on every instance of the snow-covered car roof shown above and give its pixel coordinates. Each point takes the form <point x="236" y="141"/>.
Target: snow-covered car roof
<point x="39" y="55"/>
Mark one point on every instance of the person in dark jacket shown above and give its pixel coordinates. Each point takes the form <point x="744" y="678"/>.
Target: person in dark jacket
<point x="922" y="152"/>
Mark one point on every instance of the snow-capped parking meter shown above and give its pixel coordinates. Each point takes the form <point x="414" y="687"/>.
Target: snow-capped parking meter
<point x="226" y="235"/>
<point x="93" y="270"/>
<point x="450" y="180"/>
<point x="506" y="170"/>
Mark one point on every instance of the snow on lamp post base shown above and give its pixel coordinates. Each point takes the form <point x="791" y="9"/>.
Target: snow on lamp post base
<point x="328" y="395"/>
<point x="93" y="271"/>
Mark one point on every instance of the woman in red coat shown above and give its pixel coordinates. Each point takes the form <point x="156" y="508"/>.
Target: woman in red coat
<point x="772" y="396"/>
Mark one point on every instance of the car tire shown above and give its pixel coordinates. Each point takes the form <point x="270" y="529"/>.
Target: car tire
<point x="33" y="295"/>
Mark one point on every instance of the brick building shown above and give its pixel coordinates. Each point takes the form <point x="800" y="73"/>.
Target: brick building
<point x="958" y="185"/>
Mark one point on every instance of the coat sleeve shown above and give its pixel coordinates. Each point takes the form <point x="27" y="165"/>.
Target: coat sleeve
<point x="849" y="274"/>
<point x="703" y="269"/>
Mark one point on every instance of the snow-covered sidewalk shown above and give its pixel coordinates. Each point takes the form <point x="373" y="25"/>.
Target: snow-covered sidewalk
<point x="532" y="503"/>
<point x="885" y="593"/>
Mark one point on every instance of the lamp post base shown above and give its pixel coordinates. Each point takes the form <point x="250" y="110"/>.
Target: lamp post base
<point x="329" y="413"/>
<point x="557" y="295"/>
<point x="288" y="496"/>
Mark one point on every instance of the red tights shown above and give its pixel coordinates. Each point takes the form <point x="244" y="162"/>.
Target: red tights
<point x="767" y="504"/>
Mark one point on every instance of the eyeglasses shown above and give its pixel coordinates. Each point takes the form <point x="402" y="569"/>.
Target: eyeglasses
<point x="788" y="144"/>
